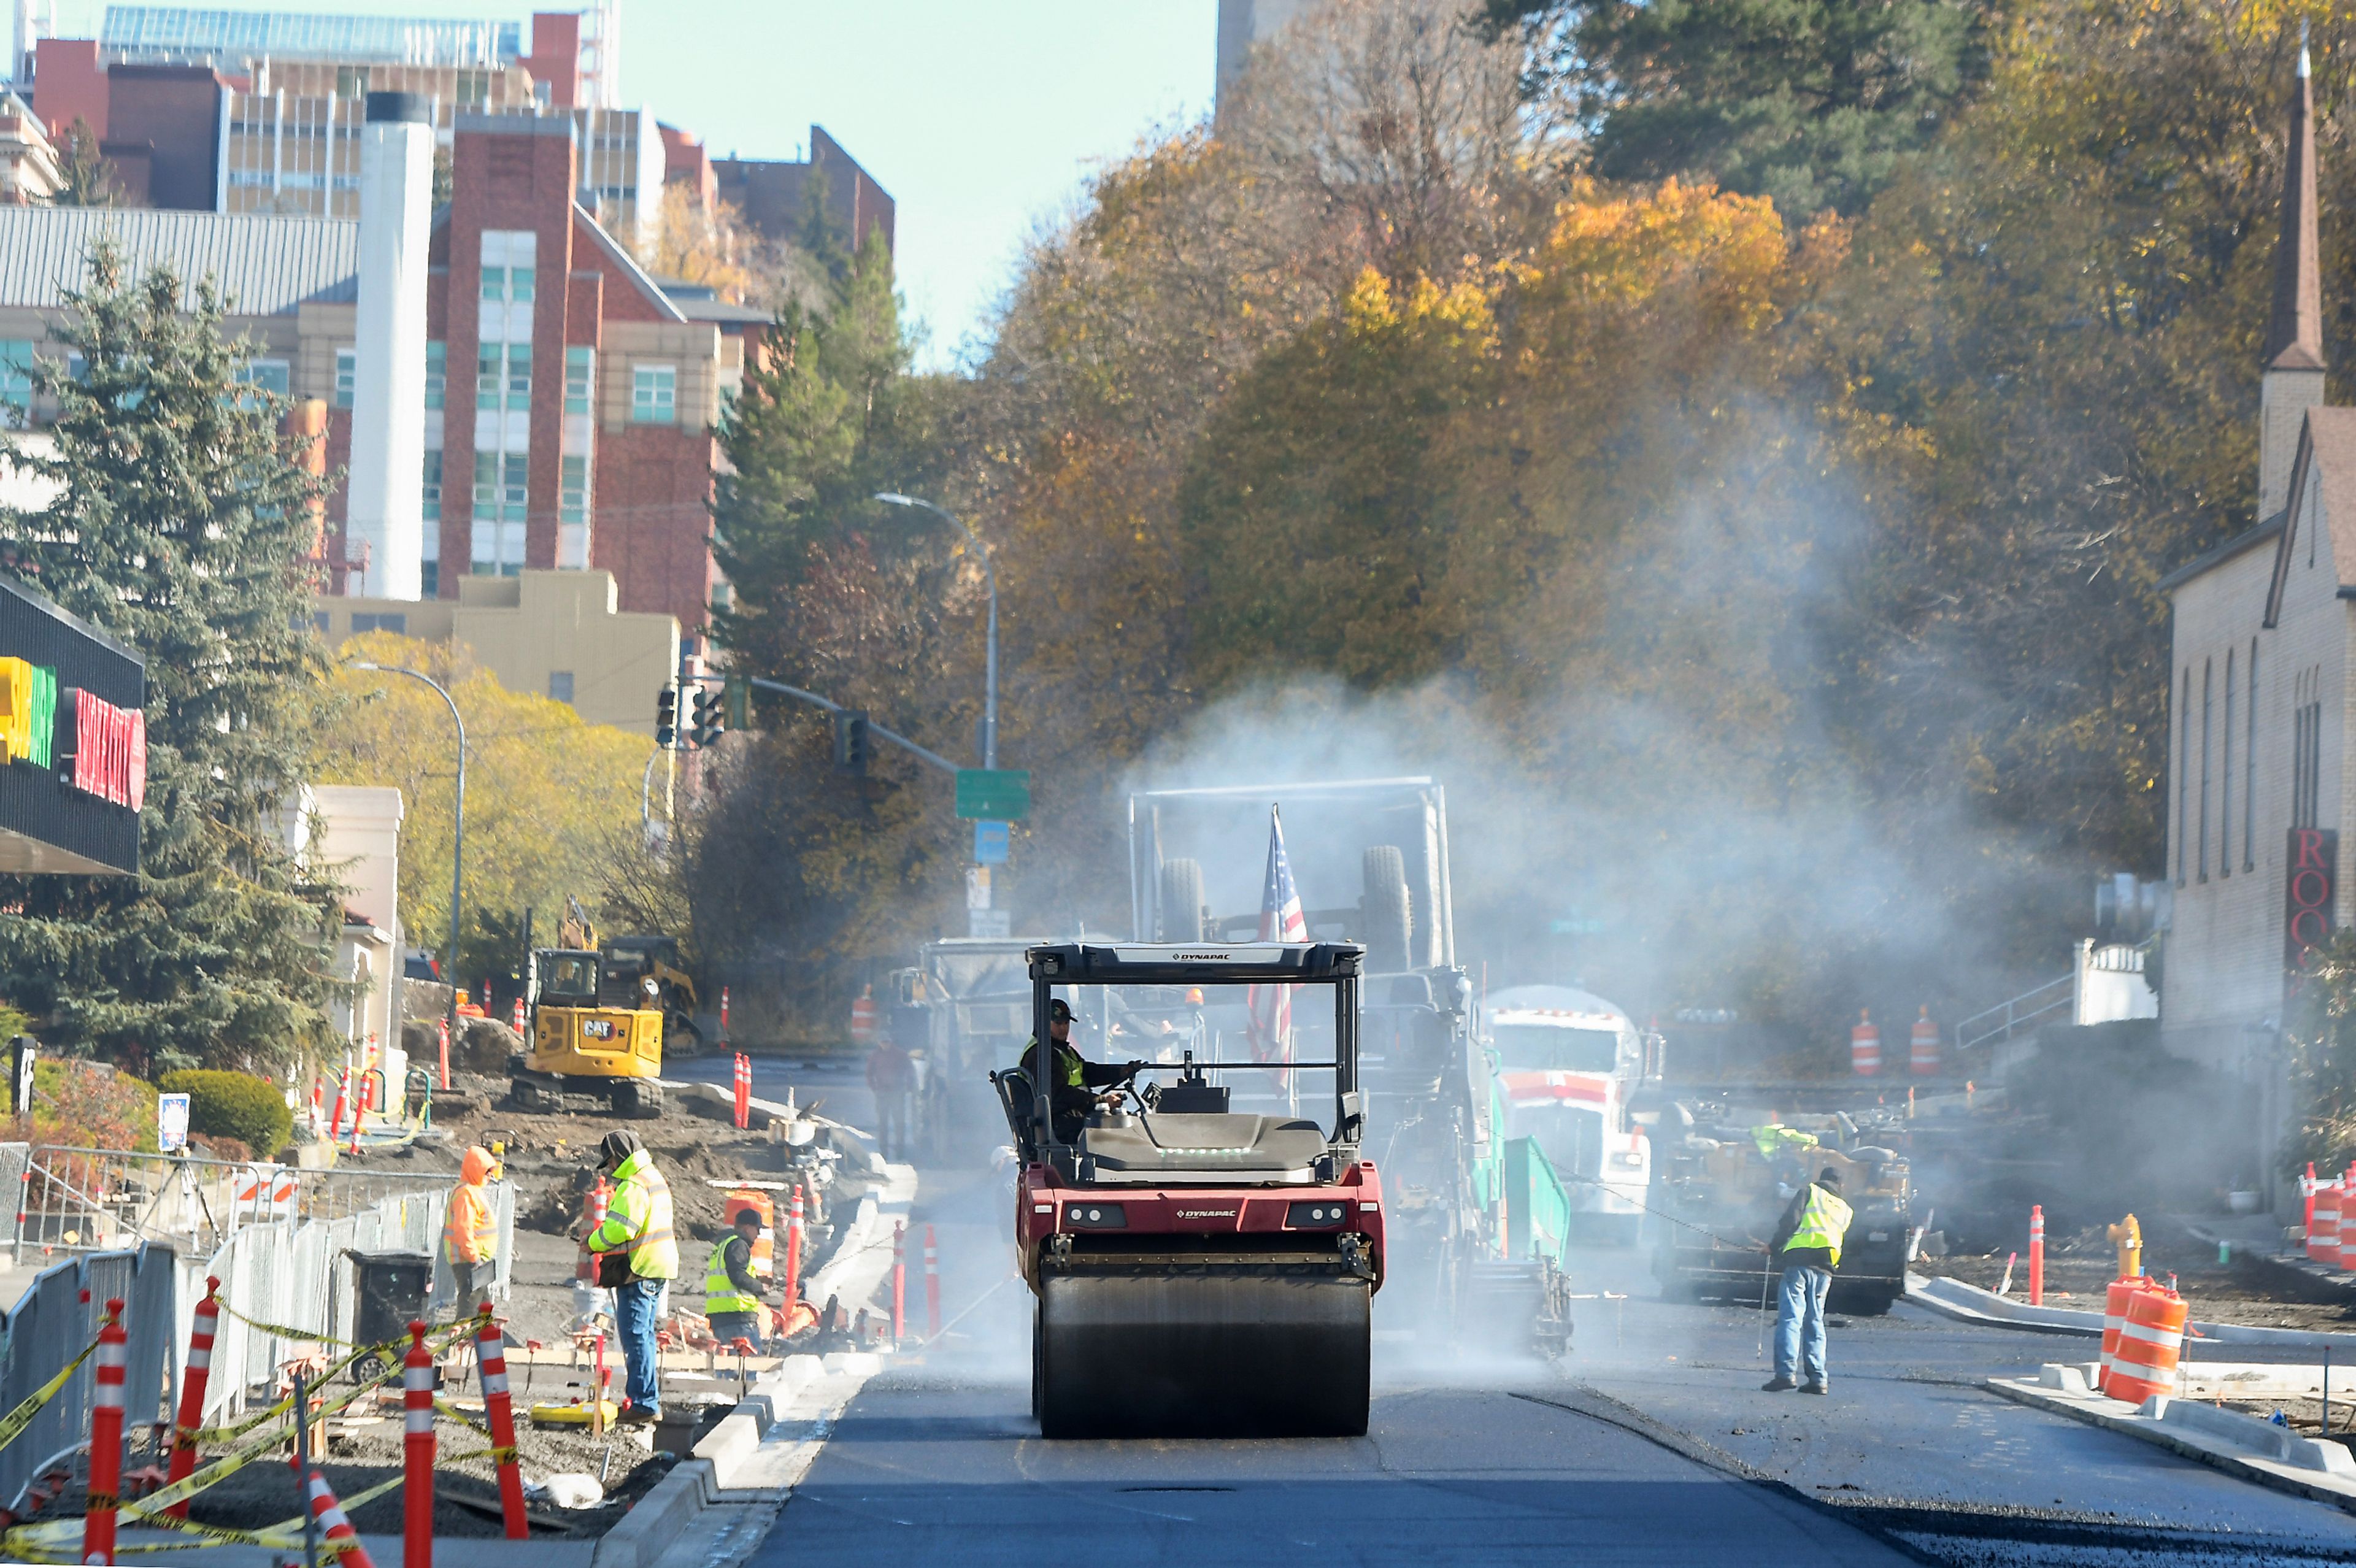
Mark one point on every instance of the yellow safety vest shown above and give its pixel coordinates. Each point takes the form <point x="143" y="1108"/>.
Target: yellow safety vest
<point x="720" y="1292"/>
<point x="1822" y="1223"/>
<point x="471" y="1232"/>
<point x="639" y="1218"/>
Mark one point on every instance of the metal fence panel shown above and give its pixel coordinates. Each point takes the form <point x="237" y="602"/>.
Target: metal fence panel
<point x="13" y="1158"/>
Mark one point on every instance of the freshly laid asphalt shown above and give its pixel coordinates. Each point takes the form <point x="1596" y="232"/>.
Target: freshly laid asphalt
<point x="1651" y="1444"/>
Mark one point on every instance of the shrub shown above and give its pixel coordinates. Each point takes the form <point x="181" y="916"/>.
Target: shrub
<point x="234" y="1105"/>
<point x="86" y="1104"/>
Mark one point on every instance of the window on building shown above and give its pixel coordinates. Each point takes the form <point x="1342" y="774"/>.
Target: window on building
<point x="2204" y="769"/>
<point x="579" y="378"/>
<point x="270" y="375"/>
<point x="503" y="370"/>
<point x="433" y="485"/>
<point x="2225" y="779"/>
<point x="2250" y="768"/>
<point x="2306" y="758"/>
<point x="560" y="685"/>
<point x="395" y="622"/>
<point x="429" y="579"/>
<point x="16" y="383"/>
<point x="437" y="374"/>
<point x="507" y="286"/>
<point x="320" y="621"/>
<point x="348" y="375"/>
<point x="502" y="480"/>
<point x="654" y="394"/>
<point x="2183" y="768"/>
<point x="572" y="499"/>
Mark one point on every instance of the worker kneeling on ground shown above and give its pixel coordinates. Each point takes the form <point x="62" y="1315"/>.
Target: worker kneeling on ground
<point x="1072" y="1076"/>
<point x="1808" y="1240"/>
<point x="470" y="1233"/>
<point x="732" y="1296"/>
<point x="641" y="1258"/>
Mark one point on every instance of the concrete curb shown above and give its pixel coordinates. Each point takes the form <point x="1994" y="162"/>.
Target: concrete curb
<point x="1970" y="1304"/>
<point x="759" y="1450"/>
<point x="2241" y="1445"/>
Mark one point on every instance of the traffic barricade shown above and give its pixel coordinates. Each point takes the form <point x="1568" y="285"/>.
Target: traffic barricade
<point x="2323" y="1229"/>
<point x="1865" y="1046"/>
<point x="2150" y="1341"/>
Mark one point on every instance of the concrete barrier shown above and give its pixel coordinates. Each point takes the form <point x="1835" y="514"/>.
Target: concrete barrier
<point x="2264" y="1438"/>
<point x="1954" y="1298"/>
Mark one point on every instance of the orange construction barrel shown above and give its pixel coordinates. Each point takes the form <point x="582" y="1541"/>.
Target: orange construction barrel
<point x="2149" y="1342"/>
<point x="1925" y="1046"/>
<point x="2323" y="1232"/>
<point x="2114" y="1316"/>
<point x="1865" y="1046"/>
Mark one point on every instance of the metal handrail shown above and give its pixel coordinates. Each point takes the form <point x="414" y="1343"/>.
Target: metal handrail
<point x="2018" y="1012"/>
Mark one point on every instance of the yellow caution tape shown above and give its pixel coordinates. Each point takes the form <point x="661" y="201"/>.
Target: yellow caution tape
<point x="460" y="1416"/>
<point x="13" y="1427"/>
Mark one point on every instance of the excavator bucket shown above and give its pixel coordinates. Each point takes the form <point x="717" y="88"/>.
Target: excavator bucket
<point x="1203" y="1352"/>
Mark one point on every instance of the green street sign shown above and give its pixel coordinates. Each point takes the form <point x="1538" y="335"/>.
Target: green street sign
<point x="999" y="794"/>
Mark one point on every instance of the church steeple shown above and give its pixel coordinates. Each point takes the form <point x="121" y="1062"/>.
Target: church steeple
<point x="2293" y="357"/>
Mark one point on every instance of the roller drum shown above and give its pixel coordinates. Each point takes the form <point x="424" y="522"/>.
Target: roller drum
<point x="1203" y="1354"/>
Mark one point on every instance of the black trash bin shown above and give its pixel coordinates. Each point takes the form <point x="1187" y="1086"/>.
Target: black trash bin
<point x="389" y="1291"/>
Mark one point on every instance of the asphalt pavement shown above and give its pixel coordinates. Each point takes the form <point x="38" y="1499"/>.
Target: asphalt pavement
<point x="1651" y="1443"/>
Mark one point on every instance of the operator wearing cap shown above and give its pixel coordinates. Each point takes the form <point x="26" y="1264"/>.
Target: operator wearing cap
<point x="1071" y="1076"/>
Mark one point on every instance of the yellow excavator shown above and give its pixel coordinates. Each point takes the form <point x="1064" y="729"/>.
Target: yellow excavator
<point x="596" y="1033"/>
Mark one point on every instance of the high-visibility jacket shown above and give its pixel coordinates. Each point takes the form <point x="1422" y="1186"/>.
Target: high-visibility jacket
<point x="1822" y="1223"/>
<point x="721" y="1291"/>
<point x="470" y="1232"/>
<point x="1774" y="1139"/>
<point x="639" y="1219"/>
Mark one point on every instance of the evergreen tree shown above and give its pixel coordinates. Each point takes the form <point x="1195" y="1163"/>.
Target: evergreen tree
<point x="1811" y="102"/>
<point x="84" y="178"/>
<point x="183" y="528"/>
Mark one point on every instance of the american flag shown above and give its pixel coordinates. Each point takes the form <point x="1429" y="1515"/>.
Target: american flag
<point x="1280" y="920"/>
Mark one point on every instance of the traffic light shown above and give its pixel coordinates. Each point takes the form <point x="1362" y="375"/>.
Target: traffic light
<point x="711" y="716"/>
<point x="667" y="717"/>
<point x="739" y="692"/>
<point x="851" y="740"/>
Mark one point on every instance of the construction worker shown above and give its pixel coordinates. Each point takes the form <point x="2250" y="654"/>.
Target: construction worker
<point x="638" y="1225"/>
<point x="1808" y="1241"/>
<point x="1070" y="1075"/>
<point x="470" y="1231"/>
<point x="732" y="1295"/>
<point x="890" y="1078"/>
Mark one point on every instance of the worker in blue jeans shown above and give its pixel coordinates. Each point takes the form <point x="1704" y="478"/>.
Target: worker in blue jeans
<point x="637" y="1223"/>
<point x="1808" y="1241"/>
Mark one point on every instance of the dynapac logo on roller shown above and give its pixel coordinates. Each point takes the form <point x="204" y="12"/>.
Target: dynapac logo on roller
<point x="1206" y="1213"/>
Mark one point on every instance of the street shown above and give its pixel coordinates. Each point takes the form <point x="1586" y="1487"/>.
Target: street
<point x="1652" y="1444"/>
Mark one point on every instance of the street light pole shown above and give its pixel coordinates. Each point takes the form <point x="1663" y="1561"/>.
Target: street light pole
<point x="458" y="827"/>
<point x="990" y="576"/>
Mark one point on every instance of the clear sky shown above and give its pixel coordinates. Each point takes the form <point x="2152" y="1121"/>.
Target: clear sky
<point x="982" y="117"/>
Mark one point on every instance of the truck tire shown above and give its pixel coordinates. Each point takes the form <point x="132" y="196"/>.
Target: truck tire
<point x="1386" y="912"/>
<point x="1183" y="906"/>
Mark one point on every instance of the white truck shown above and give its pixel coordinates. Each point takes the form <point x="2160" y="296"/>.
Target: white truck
<point x="1569" y="1063"/>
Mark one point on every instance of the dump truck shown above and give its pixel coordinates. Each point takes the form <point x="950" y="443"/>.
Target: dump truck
<point x="1436" y="1122"/>
<point x="595" y="1032"/>
<point x="1723" y="1184"/>
<point x="1202" y="1255"/>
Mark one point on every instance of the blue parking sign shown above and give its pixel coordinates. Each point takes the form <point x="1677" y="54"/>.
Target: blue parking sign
<point x="989" y="843"/>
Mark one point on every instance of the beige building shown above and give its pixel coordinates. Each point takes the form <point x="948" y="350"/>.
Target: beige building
<point x="351" y="835"/>
<point x="2259" y="692"/>
<point x="559" y="633"/>
<point x="29" y="170"/>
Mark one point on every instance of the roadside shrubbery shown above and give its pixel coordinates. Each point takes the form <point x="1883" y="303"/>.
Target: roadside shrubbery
<point x="236" y="1105"/>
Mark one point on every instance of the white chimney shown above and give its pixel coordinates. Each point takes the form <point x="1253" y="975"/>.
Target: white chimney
<point x="384" y="516"/>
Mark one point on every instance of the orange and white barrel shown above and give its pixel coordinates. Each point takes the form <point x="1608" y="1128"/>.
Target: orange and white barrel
<point x="2150" y="1340"/>
<point x="1865" y="1046"/>
<point x="2323" y="1232"/>
<point x="863" y="1018"/>
<point x="1925" y="1046"/>
<point x="2115" y="1317"/>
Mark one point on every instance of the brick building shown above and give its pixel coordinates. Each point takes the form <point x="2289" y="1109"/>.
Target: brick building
<point x="2260" y="685"/>
<point x="570" y="401"/>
